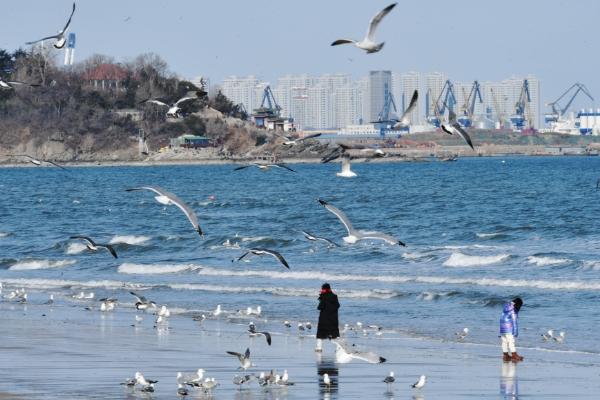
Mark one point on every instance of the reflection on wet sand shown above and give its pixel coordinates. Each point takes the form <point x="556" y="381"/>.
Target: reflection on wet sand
<point x="327" y="365"/>
<point x="509" y="382"/>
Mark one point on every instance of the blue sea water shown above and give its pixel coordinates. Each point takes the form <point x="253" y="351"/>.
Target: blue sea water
<point x="478" y="232"/>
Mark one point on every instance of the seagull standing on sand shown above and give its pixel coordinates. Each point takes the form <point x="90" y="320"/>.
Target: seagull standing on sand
<point x="107" y="304"/>
<point x="548" y="335"/>
<point x="146" y="384"/>
<point x="327" y="381"/>
<point x="244" y="359"/>
<point x="368" y="44"/>
<point x="355" y="235"/>
<point x="240" y="380"/>
<point x="60" y="38"/>
<point x="93" y="246"/>
<point x="389" y="380"/>
<point x="261" y="252"/>
<point x="420" y="383"/>
<point x="168" y="198"/>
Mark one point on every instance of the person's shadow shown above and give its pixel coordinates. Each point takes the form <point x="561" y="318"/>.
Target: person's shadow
<point x="327" y="365"/>
<point x="509" y="382"/>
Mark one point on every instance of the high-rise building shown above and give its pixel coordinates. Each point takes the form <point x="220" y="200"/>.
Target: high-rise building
<point x="380" y="86"/>
<point x="285" y="86"/>
<point x="346" y="106"/>
<point x="507" y="94"/>
<point x="404" y="86"/>
<point x="245" y="90"/>
<point x="298" y="108"/>
<point x="319" y="110"/>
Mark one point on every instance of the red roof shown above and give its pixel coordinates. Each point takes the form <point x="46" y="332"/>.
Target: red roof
<point x="111" y="72"/>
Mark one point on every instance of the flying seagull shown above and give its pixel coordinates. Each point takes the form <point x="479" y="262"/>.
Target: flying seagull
<point x="420" y="383"/>
<point x="454" y="128"/>
<point x="93" y="246"/>
<point x="265" y="167"/>
<point x="7" y="85"/>
<point x="36" y="161"/>
<point x="404" y="120"/>
<point x="168" y="198"/>
<point x="355" y="235"/>
<point x="244" y="359"/>
<point x="345" y="354"/>
<point x="142" y="302"/>
<point x="174" y="109"/>
<point x="289" y="141"/>
<point x="60" y="38"/>
<point x="261" y="252"/>
<point x="253" y="332"/>
<point x="314" y="238"/>
<point x="368" y="44"/>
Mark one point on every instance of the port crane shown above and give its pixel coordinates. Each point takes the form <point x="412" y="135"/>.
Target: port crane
<point x="384" y="117"/>
<point x="499" y="112"/>
<point x="449" y="100"/>
<point x="557" y="110"/>
<point x="268" y="110"/>
<point x="519" y="119"/>
<point x="468" y="108"/>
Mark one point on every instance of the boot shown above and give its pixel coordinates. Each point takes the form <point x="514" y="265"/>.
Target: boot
<point x="516" y="358"/>
<point x="506" y="357"/>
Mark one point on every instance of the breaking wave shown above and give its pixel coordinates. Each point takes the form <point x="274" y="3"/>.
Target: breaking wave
<point x="155" y="269"/>
<point x="40" y="264"/>
<point x="76" y="248"/>
<point x="544" y="261"/>
<point x="463" y="260"/>
<point x="129" y="239"/>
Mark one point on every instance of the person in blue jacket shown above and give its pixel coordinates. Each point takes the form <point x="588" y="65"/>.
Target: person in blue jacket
<point x="509" y="329"/>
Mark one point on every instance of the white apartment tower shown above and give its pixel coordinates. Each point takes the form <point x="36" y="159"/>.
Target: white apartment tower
<point x="404" y="86"/>
<point x="246" y="90"/>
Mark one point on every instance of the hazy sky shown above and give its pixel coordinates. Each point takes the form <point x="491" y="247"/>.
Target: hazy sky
<point x="555" y="40"/>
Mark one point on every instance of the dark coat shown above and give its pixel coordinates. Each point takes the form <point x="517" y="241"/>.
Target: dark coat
<point x="328" y="318"/>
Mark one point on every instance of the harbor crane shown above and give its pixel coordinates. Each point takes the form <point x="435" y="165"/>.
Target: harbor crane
<point x="499" y="112"/>
<point x="468" y="108"/>
<point x="268" y="110"/>
<point x="520" y="119"/>
<point x="557" y="110"/>
<point x="449" y="100"/>
<point x="384" y="116"/>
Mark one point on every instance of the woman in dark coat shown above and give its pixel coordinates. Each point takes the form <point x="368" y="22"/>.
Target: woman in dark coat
<point x="328" y="327"/>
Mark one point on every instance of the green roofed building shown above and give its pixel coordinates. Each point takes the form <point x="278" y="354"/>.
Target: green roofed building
<point x="190" y="141"/>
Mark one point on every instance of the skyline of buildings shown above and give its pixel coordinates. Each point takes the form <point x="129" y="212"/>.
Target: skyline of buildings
<point x="335" y="101"/>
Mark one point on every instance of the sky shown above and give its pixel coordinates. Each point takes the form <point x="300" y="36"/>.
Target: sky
<point x="486" y="40"/>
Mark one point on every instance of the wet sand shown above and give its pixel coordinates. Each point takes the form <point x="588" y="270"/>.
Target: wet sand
<point x="64" y="351"/>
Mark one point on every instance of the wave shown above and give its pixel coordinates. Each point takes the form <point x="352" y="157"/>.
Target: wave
<point x="129" y="239"/>
<point x="431" y="296"/>
<point x="491" y="235"/>
<point x="41" y="284"/>
<point x="154" y="269"/>
<point x="463" y="260"/>
<point x="541" y="261"/>
<point x="40" y="264"/>
<point x="76" y="248"/>
<point x="594" y="265"/>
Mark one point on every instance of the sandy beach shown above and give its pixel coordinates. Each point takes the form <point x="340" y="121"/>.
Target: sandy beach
<point x="63" y="351"/>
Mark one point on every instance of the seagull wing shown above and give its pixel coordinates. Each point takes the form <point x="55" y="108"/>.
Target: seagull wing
<point x="460" y="131"/>
<point x="282" y="166"/>
<point x="267" y="336"/>
<point x="314" y="135"/>
<point x="341" y="216"/>
<point x="242" y="167"/>
<point x="342" y="41"/>
<point x="235" y="353"/>
<point x="374" y="23"/>
<point x="380" y="236"/>
<point x="405" y="118"/>
<point x="87" y="239"/>
<point x="69" y="21"/>
<point x="44" y="38"/>
<point x="243" y="255"/>
<point x="110" y="249"/>
<point x="189" y="213"/>
<point x="367" y="356"/>
<point x="183" y="99"/>
<point x="154" y="101"/>
<point x="309" y="236"/>
<point x="141" y="299"/>
<point x="335" y="153"/>
<point x="272" y="253"/>
<point x="55" y="164"/>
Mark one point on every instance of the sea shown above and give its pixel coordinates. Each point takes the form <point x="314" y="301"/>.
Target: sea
<point x="478" y="232"/>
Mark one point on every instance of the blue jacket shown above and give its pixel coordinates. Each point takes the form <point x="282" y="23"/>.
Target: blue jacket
<point x="508" y="320"/>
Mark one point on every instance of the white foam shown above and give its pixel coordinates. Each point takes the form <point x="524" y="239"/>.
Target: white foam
<point x="412" y="256"/>
<point x="155" y="269"/>
<point x="41" y="284"/>
<point x="463" y="260"/>
<point x="544" y="261"/>
<point x="255" y="239"/>
<point x="129" y="239"/>
<point x="4" y="234"/>
<point x="595" y="265"/>
<point x="76" y="248"/>
<point x="40" y="264"/>
<point x="488" y="235"/>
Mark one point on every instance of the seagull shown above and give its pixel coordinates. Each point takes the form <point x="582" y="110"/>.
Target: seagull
<point x="548" y="335"/>
<point x="308" y="325"/>
<point x="244" y="359"/>
<point x="129" y="382"/>
<point x="142" y="303"/>
<point x="36" y="161"/>
<point x="218" y="311"/>
<point x="314" y="238"/>
<point x="462" y="334"/>
<point x="107" y="304"/>
<point x="140" y="380"/>
<point x="404" y="120"/>
<point x="209" y="384"/>
<point x="164" y="312"/>
<point x="261" y="252"/>
<point x="174" y="109"/>
<point x="289" y="141"/>
<point x="168" y="198"/>
<point x="389" y="380"/>
<point x="240" y="380"/>
<point x="92" y="246"/>
<point x="60" y="38"/>
<point x="265" y="167"/>
<point x="301" y="327"/>
<point x="420" y="383"/>
<point x="254" y="311"/>
<point x="50" y="300"/>
<point x="253" y="332"/>
<point x="368" y="44"/>
<point x="196" y="381"/>
<point x="287" y="324"/>
<point x="454" y="128"/>
<point x="560" y="338"/>
<point x="344" y="354"/>
<point x="354" y="235"/>
<point x="327" y="381"/>
<point x="285" y="379"/>
<point x="8" y="85"/>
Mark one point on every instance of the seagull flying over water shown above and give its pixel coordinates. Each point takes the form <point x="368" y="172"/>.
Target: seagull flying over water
<point x="289" y="141"/>
<point x="453" y="128"/>
<point x="261" y="252"/>
<point x="368" y="44"/>
<point x="265" y="167"/>
<point x="314" y="238"/>
<point x="60" y="38"/>
<point x="355" y="235"/>
<point x="168" y="198"/>
<point x="244" y="359"/>
<point x="93" y="246"/>
<point x="36" y="161"/>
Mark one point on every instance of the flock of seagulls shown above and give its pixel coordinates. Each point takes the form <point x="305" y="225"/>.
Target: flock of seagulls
<point x="550" y="336"/>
